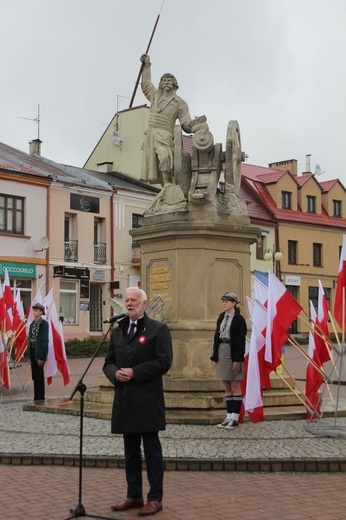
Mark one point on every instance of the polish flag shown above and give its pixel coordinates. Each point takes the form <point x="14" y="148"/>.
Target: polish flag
<point x="5" y="320"/>
<point x="252" y="388"/>
<point x="56" y="351"/>
<point x="4" y="368"/>
<point x="7" y="291"/>
<point x="282" y="310"/>
<point x="340" y="293"/>
<point x="37" y="299"/>
<point x="51" y="366"/>
<point x="20" y="341"/>
<point x="323" y="352"/>
<point x="313" y="378"/>
<point x="261" y="292"/>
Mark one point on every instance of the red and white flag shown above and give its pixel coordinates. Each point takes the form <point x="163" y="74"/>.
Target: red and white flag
<point x="252" y="389"/>
<point x="37" y="299"/>
<point x="340" y="293"/>
<point x="5" y="320"/>
<point x="7" y="291"/>
<point x="56" y="351"/>
<point x="314" y="378"/>
<point x="322" y="334"/>
<point x="20" y="341"/>
<point x="4" y="368"/>
<point x="51" y="365"/>
<point x="261" y="292"/>
<point x="282" y="310"/>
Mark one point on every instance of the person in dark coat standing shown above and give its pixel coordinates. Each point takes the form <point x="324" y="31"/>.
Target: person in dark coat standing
<point x="38" y="350"/>
<point x="139" y="353"/>
<point x="228" y="355"/>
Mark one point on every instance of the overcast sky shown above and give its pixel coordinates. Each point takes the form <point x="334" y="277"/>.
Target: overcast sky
<point x="278" y="67"/>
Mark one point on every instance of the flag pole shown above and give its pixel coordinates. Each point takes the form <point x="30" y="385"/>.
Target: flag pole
<point x="308" y="358"/>
<point x="343" y="316"/>
<point x="312" y="411"/>
<point x="334" y="330"/>
<point x="328" y="344"/>
<point x="320" y="334"/>
<point x="146" y="52"/>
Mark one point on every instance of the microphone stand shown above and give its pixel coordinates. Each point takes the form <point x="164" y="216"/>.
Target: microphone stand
<point x="79" y="510"/>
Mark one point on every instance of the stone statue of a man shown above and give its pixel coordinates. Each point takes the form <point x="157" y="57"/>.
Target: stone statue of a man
<point x="166" y="107"/>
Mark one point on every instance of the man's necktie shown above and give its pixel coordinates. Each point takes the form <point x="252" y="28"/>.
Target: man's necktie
<point x="132" y="331"/>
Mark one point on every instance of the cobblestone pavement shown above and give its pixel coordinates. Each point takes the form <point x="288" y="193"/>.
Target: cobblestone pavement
<point x="282" y="470"/>
<point x="42" y="433"/>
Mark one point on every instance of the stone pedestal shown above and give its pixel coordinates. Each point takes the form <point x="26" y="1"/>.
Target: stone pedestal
<point x="190" y="264"/>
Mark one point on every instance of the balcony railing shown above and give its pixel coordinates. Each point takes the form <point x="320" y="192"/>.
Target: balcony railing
<point x="71" y="251"/>
<point x="136" y="254"/>
<point x="100" y="250"/>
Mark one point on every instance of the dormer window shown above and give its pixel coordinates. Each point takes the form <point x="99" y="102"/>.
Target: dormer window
<point x="310" y="204"/>
<point x="286" y="200"/>
<point x="337" y="208"/>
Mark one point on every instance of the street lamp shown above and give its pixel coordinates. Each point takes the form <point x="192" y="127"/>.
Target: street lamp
<point x="272" y="255"/>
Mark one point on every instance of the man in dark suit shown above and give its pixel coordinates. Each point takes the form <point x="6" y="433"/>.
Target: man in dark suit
<point x="139" y="353"/>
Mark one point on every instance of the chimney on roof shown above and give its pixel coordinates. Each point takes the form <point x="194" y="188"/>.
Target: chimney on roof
<point x="35" y="147"/>
<point x="308" y="163"/>
<point x="105" y="167"/>
<point x="290" y="165"/>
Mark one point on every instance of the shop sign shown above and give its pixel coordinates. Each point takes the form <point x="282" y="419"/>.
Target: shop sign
<point x="18" y="270"/>
<point x="73" y="273"/>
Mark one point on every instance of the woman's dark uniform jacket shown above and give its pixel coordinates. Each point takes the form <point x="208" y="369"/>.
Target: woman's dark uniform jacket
<point x="139" y="405"/>
<point x="238" y="331"/>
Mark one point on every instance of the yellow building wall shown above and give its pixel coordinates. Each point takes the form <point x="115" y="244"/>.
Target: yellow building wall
<point x="286" y="183"/>
<point x="304" y="271"/>
<point x="337" y="192"/>
<point x="125" y="158"/>
<point x="310" y="188"/>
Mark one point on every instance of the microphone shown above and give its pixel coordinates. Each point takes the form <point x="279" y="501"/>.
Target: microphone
<point x="116" y="317"/>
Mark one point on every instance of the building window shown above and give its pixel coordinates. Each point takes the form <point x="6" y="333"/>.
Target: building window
<point x="292" y="251"/>
<point x="24" y="288"/>
<point x="137" y="220"/>
<point x="317" y="255"/>
<point x="310" y="204"/>
<point x="68" y="302"/>
<point x="286" y="200"/>
<point x="70" y="245"/>
<point x="100" y="253"/>
<point x="313" y="296"/>
<point x="11" y="214"/>
<point x="259" y="248"/>
<point x="337" y="208"/>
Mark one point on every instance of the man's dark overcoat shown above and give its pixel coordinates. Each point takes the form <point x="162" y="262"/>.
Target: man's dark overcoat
<point x="139" y="405"/>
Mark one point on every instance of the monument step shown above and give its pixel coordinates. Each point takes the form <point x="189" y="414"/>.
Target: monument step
<point x="202" y="384"/>
<point x="205" y="401"/>
<point x="206" y="417"/>
<point x="195" y="400"/>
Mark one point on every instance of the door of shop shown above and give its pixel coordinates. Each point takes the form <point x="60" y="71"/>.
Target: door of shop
<point x="95" y="307"/>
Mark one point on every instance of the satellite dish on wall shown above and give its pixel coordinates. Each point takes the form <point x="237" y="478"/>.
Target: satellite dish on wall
<point x="318" y="170"/>
<point x="43" y="243"/>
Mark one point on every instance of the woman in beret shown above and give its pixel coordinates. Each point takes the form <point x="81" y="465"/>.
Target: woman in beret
<point x="228" y="356"/>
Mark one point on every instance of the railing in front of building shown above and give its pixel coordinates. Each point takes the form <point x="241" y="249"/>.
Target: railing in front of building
<point x="71" y="250"/>
<point x="136" y="254"/>
<point x="100" y="256"/>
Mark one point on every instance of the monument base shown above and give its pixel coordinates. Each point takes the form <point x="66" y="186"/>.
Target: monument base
<point x="190" y="264"/>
